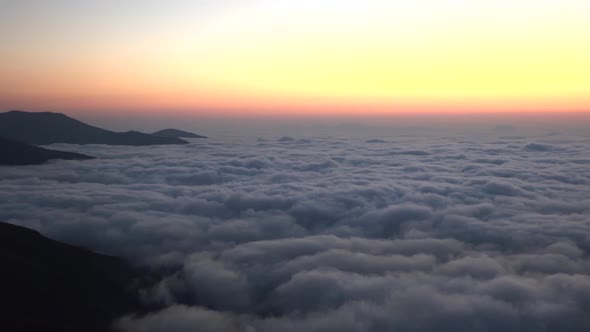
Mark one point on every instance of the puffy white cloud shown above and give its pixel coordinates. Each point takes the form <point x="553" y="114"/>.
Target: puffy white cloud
<point x="332" y="234"/>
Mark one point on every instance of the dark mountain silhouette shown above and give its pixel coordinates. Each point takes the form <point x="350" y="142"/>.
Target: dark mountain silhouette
<point x="177" y="133"/>
<point x="17" y="153"/>
<point x="48" y="128"/>
<point x="46" y="285"/>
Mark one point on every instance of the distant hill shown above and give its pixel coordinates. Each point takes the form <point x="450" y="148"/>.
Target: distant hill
<point x="48" y="128"/>
<point x="50" y="286"/>
<point x="177" y="133"/>
<point x="17" y="153"/>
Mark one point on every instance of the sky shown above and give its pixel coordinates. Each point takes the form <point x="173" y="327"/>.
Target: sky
<point x="295" y="58"/>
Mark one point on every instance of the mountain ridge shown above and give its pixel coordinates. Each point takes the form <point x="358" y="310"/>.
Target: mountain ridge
<point x="47" y="285"/>
<point x="170" y="132"/>
<point x="43" y="128"/>
<point x="14" y="153"/>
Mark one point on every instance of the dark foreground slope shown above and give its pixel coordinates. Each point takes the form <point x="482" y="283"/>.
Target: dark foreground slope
<point x="48" y="128"/>
<point x="176" y="133"/>
<point x="46" y="285"/>
<point x="17" y="153"/>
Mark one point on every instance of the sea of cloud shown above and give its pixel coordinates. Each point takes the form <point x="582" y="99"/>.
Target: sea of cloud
<point x="327" y="234"/>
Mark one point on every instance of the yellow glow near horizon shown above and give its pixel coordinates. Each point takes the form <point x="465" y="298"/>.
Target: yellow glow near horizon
<point x="421" y="54"/>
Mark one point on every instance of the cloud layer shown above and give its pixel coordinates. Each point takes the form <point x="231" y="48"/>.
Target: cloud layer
<point x="332" y="233"/>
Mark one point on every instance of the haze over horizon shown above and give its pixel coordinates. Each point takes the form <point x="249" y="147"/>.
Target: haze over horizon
<point x="262" y="58"/>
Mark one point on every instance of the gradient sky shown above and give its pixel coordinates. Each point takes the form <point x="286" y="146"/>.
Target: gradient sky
<point x="295" y="57"/>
